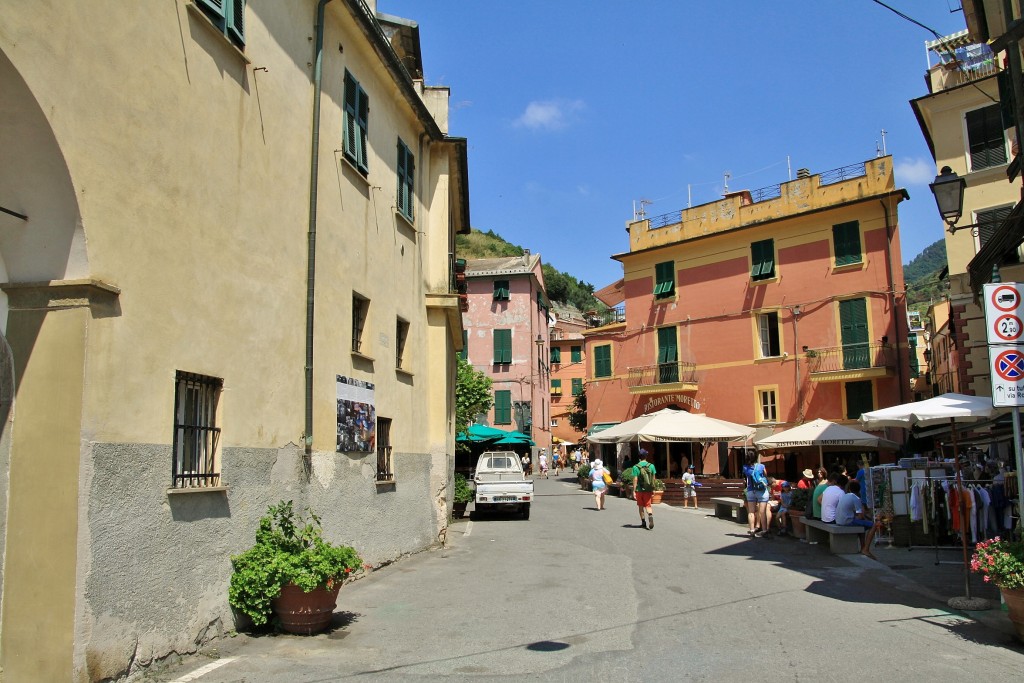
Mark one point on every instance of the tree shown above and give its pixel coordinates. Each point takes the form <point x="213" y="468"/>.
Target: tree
<point x="472" y="395"/>
<point x="578" y="413"/>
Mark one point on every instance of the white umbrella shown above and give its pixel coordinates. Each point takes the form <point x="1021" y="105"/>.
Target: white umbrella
<point x="672" y="425"/>
<point x="951" y="408"/>
<point x="823" y="433"/>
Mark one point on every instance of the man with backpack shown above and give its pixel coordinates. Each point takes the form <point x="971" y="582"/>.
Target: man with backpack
<point x="643" y="489"/>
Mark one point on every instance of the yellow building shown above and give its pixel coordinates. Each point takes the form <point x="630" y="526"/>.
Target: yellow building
<point x="226" y="246"/>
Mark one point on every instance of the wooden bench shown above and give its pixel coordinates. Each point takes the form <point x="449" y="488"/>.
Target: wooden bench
<point x="730" y="508"/>
<point x="842" y="540"/>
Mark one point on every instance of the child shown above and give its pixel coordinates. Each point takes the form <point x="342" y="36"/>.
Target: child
<point x="785" y="500"/>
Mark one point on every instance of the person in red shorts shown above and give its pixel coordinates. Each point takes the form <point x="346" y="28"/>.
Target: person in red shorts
<point x="643" y="489"/>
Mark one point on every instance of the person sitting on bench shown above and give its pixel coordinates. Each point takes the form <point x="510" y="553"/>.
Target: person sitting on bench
<point x="850" y="512"/>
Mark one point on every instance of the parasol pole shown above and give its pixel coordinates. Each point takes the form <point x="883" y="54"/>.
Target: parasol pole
<point x="821" y="457"/>
<point x="967" y="602"/>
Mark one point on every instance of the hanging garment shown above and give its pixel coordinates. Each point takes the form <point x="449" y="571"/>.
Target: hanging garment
<point x="915" y="503"/>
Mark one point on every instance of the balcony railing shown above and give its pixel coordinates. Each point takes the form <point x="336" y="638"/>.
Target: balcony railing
<point x="865" y="356"/>
<point x="678" y="372"/>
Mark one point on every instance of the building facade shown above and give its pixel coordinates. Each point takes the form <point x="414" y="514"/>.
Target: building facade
<point x="767" y="308"/>
<point x="200" y="314"/>
<point x="568" y="372"/>
<point x="506" y="338"/>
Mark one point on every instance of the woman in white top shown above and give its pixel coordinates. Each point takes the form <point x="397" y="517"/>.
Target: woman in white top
<point x="598" y="486"/>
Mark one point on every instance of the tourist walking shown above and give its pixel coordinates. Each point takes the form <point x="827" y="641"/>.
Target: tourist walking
<point x="757" y="493"/>
<point x="543" y="458"/>
<point x="644" y="477"/>
<point x="598" y="484"/>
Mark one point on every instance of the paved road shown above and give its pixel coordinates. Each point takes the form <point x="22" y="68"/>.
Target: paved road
<point x="577" y="594"/>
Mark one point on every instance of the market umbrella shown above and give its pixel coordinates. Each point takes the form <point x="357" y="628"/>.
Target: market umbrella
<point x="823" y="433"/>
<point x="478" y="432"/>
<point x="672" y="425"/>
<point x="951" y="408"/>
<point x="515" y="438"/>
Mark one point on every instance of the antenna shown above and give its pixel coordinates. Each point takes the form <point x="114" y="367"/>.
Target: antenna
<point x="883" y="141"/>
<point x="727" y="176"/>
<point x="641" y="213"/>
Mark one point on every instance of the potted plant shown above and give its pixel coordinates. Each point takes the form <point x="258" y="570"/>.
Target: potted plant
<point x="584" y="477"/>
<point x="291" y="571"/>
<point x="798" y="504"/>
<point x="659" y="491"/>
<point x="1002" y="563"/>
<point x="461" y="497"/>
<point x="627" y="483"/>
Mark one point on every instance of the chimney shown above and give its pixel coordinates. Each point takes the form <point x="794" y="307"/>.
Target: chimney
<point x="803" y="173"/>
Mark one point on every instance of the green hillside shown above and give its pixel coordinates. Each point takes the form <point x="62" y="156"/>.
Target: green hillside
<point x="562" y="288"/>
<point x="921" y="277"/>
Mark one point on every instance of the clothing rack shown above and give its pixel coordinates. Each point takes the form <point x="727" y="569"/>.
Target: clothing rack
<point x="927" y="484"/>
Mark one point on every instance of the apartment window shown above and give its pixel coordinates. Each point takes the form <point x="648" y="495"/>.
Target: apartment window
<point x="768" y="331"/>
<point x="357" y="108"/>
<point x="989" y="222"/>
<point x="502" y="346"/>
<point x="501" y="290"/>
<point x="228" y="16"/>
<point x="401" y="335"/>
<point x="915" y="368"/>
<point x="406" y="167"/>
<point x="985" y="143"/>
<point x="577" y="386"/>
<point x="196" y="434"/>
<point x="762" y="260"/>
<point x="502" y="407"/>
<point x="668" y="356"/>
<point x="603" y="360"/>
<point x="846" y="241"/>
<point x="464" y="353"/>
<point x="576" y="354"/>
<point x="556" y="354"/>
<point x="554" y="422"/>
<point x="556" y="387"/>
<point x="858" y="399"/>
<point x="769" y="405"/>
<point x="384" y="470"/>
<point x="664" y="280"/>
<point x="360" y="307"/>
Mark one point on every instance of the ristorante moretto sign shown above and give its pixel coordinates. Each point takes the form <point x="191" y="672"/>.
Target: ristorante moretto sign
<point x="656" y="402"/>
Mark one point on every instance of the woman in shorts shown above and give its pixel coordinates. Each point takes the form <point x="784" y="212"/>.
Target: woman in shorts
<point x="598" y="486"/>
<point x="757" y="494"/>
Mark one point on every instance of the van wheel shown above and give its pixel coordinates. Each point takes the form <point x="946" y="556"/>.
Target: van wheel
<point x="526" y="511"/>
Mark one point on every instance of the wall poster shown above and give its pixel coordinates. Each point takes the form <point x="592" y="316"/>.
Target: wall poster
<point x="357" y="419"/>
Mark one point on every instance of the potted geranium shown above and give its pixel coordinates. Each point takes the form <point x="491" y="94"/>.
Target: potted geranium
<point x="291" y="571"/>
<point x="461" y="497"/>
<point x="1002" y="563"/>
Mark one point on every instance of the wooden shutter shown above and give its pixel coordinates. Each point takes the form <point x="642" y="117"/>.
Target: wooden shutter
<point x="577" y="354"/>
<point x="236" y="22"/>
<point x="362" y="120"/>
<point x="664" y="280"/>
<point x="577" y="386"/>
<point x="464" y="354"/>
<point x="853" y="323"/>
<point x="985" y="137"/>
<point x="762" y="259"/>
<point x="858" y="399"/>
<point x="502" y="407"/>
<point x="603" y="361"/>
<point x="915" y="369"/>
<point x="667" y="349"/>
<point x="349" y="122"/>
<point x="846" y="239"/>
<point x="501" y="290"/>
<point x="989" y="222"/>
<point x="502" y="346"/>
<point x="556" y="387"/>
<point x="214" y="7"/>
<point x="556" y="354"/>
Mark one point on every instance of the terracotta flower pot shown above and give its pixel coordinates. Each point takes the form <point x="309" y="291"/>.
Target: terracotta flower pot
<point x="1014" y="599"/>
<point x="305" y="613"/>
<point x="656" y="496"/>
<point x="796" y="518"/>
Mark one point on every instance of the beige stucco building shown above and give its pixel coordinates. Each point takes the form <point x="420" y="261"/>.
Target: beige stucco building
<point x="226" y="245"/>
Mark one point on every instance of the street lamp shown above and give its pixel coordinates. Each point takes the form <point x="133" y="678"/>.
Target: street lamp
<point x="948" y="189"/>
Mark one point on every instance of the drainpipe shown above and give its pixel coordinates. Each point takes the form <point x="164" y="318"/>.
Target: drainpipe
<point x="892" y="293"/>
<point x="314" y="172"/>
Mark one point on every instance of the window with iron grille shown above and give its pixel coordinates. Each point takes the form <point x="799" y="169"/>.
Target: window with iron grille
<point x="360" y="308"/>
<point x="769" y="405"/>
<point x="603" y="360"/>
<point x="986" y="143"/>
<point x="384" y="470"/>
<point x="502" y="346"/>
<point x="846" y="242"/>
<point x="664" y="280"/>
<point x="502" y="407"/>
<point x="768" y="329"/>
<point x="501" y="290"/>
<point x="406" y="168"/>
<point x="228" y="16"/>
<point x="762" y="260"/>
<point x="355" y="123"/>
<point x="401" y="335"/>
<point x="196" y="458"/>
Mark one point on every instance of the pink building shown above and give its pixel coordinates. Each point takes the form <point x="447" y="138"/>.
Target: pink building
<point x="506" y="328"/>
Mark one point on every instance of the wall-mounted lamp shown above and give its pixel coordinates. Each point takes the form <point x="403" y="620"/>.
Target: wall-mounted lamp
<point x="928" y="356"/>
<point x="948" y="189"/>
<point x="796" y="310"/>
<point x="885" y="339"/>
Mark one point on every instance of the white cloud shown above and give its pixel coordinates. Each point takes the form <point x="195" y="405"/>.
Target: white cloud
<point x="914" y="171"/>
<point x="550" y="115"/>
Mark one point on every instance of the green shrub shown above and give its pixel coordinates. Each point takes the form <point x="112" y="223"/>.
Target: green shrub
<point x="463" y="494"/>
<point x="627" y="476"/>
<point x="800" y="500"/>
<point x="584" y="472"/>
<point x="289" y="550"/>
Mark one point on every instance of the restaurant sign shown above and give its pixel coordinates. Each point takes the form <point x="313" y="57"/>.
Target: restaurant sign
<point x="656" y="402"/>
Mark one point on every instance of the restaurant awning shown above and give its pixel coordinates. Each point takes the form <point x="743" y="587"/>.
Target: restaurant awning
<point x="600" y="427"/>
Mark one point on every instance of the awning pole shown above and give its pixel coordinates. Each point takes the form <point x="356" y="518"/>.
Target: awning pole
<point x="962" y="504"/>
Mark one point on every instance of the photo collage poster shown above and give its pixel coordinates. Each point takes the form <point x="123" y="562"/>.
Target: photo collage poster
<point x="357" y="420"/>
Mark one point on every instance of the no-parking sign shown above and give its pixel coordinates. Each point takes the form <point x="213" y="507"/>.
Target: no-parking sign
<point x="1004" y="324"/>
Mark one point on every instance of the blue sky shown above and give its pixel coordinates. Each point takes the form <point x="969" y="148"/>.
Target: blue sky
<point x="574" y="110"/>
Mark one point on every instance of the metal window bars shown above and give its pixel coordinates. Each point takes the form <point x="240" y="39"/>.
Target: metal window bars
<point x="196" y="434"/>
<point x="384" y="472"/>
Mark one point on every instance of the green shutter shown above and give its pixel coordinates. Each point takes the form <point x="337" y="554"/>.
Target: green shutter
<point x="464" y="354"/>
<point x="556" y="386"/>
<point x="502" y="407"/>
<point x="501" y="290"/>
<point x="915" y="369"/>
<point x="502" y="346"/>
<point x="664" y="280"/>
<point x="235" y="22"/>
<point x="668" y="355"/>
<point x="406" y="168"/>
<point x="577" y="386"/>
<point x="858" y="399"/>
<point x="349" y="122"/>
<point x="577" y="354"/>
<point x="603" y="361"/>
<point x="853" y="323"/>
<point x="762" y="259"/>
<point x="846" y="238"/>
<point x="556" y="354"/>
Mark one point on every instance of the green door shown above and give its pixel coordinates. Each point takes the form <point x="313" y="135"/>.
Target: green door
<point x="853" y="322"/>
<point x="668" y="356"/>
